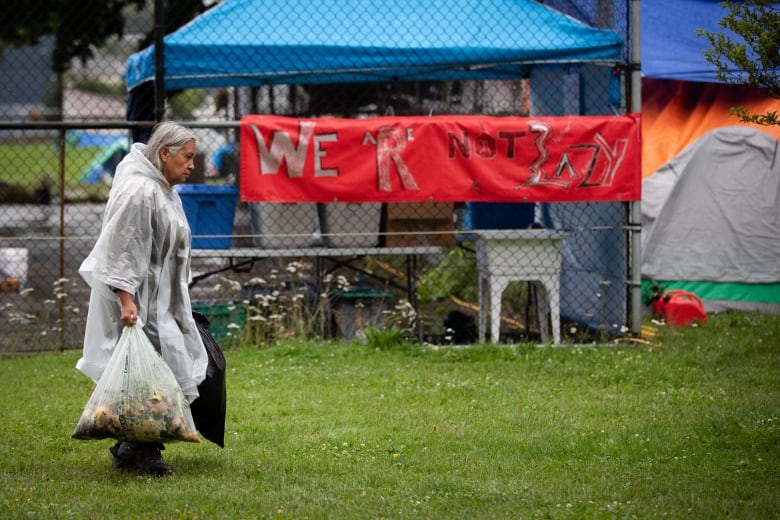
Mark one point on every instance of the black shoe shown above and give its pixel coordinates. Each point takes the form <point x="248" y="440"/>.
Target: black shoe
<point x="144" y="457"/>
<point x="118" y="462"/>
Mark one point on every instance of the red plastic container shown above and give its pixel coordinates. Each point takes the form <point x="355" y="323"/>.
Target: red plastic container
<point x="683" y="308"/>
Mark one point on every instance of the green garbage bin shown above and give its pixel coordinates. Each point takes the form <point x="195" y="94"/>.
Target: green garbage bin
<point x="358" y="308"/>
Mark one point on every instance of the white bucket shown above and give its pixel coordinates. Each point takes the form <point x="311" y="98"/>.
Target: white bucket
<point x="284" y="225"/>
<point x="352" y="224"/>
<point x="13" y="264"/>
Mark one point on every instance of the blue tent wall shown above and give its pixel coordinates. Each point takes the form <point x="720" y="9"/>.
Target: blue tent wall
<point x="594" y="260"/>
<point x="593" y="263"/>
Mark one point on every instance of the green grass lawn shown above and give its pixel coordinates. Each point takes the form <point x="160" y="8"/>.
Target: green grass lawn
<point x="685" y="427"/>
<point x="27" y="166"/>
<point x="21" y="161"/>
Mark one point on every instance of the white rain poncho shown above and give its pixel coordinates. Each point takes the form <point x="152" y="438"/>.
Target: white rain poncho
<point x="144" y="249"/>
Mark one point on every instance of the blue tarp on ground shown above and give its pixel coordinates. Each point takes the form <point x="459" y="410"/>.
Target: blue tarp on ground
<point x="253" y="43"/>
<point x="93" y="139"/>
<point x="105" y="162"/>
<point x="113" y="146"/>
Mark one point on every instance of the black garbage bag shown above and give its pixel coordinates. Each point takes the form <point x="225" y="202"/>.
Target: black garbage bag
<point x="209" y="410"/>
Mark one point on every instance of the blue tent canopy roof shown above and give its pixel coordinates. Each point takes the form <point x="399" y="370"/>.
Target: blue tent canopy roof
<point x="253" y="42"/>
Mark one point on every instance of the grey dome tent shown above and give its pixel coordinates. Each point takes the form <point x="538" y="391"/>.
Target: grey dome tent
<point x="711" y="221"/>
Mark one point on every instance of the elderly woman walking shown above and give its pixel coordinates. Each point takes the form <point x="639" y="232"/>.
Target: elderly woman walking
<point x="139" y="274"/>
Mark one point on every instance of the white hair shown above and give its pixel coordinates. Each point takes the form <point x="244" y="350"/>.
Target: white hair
<point x="167" y="135"/>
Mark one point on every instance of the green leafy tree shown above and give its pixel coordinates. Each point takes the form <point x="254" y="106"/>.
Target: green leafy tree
<point x="80" y="26"/>
<point x="753" y="57"/>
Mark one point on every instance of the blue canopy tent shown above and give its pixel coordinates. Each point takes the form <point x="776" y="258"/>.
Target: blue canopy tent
<point x="268" y="42"/>
<point x="254" y="43"/>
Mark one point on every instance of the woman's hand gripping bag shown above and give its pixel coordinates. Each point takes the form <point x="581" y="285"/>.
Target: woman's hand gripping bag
<point x="137" y="398"/>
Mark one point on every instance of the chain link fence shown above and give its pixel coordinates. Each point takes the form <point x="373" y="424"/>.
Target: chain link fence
<point x="266" y="271"/>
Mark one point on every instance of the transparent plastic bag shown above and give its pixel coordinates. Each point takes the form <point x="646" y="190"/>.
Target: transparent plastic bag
<point x="137" y="398"/>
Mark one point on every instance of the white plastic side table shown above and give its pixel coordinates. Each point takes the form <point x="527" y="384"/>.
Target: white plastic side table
<point x="505" y="256"/>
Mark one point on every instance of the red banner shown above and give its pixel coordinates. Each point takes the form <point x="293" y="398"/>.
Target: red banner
<point x="441" y="158"/>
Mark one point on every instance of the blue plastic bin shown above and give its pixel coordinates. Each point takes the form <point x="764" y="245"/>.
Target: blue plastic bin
<point x="498" y="215"/>
<point x="493" y="215"/>
<point x="210" y="211"/>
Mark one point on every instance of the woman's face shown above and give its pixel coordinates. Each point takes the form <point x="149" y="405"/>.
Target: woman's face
<point x="177" y="168"/>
